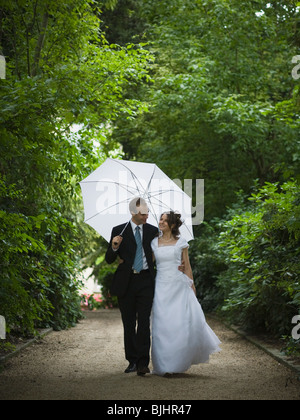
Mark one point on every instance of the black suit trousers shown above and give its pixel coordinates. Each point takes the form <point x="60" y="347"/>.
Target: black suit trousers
<point x="135" y="307"/>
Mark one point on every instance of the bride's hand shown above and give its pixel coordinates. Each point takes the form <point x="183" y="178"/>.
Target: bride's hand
<point x="182" y="267"/>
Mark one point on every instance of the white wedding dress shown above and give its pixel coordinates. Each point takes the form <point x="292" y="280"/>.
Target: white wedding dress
<point x="180" y="335"/>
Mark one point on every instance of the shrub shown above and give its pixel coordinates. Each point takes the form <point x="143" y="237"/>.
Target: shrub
<point x="207" y="264"/>
<point x="261" y="249"/>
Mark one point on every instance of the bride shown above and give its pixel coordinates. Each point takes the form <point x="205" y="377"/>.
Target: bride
<point x="180" y="335"/>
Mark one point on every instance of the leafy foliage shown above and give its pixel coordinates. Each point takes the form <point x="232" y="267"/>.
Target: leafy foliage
<point x="208" y="264"/>
<point x="65" y="85"/>
<point x="221" y="105"/>
<point x="261" y="247"/>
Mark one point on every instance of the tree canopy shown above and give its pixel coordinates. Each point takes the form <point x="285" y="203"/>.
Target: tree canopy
<point x="223" y="105"/>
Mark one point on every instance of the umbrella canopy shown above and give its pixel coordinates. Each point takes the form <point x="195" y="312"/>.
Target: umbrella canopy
<point x="108" y="190"/>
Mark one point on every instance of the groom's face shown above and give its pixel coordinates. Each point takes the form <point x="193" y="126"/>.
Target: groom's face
<point x="141" y="217"/>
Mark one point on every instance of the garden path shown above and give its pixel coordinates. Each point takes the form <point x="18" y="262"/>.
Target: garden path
<point x="87" y="363"/>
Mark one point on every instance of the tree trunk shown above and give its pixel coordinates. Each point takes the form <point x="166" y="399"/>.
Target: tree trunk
<point x="40" y="43"/>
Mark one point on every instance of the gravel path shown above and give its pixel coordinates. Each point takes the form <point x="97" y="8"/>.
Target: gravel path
<point x="87" y="363"/>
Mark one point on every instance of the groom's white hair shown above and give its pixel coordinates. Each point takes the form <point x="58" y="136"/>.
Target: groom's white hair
<point x="138" y="204"/>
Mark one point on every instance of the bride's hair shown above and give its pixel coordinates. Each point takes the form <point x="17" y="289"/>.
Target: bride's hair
<point x="174" y="219"/>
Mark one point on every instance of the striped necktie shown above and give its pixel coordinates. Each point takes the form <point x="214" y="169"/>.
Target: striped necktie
<point x="138" y="261"/>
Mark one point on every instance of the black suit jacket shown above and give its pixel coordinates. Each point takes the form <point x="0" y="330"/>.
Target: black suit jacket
<point x="127" y="252"/>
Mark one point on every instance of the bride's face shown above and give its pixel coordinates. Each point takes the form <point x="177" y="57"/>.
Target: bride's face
<point x="163" y="224"/>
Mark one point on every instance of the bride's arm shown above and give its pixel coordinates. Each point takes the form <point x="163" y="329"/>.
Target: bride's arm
<point x="185" y="258"/>
<point x="188" y="269"/>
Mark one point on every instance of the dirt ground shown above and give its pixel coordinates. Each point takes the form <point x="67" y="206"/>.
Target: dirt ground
<point x="87" y="363"/>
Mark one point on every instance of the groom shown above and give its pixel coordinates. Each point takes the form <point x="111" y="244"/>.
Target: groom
<point x="133" y="283"/>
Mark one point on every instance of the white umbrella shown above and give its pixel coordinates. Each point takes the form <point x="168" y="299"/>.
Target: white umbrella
<point x="108" y="190"/>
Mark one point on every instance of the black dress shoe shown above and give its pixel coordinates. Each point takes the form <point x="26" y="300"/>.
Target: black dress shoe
<point x="141" y="371"/>
<point x="131" y="368"/>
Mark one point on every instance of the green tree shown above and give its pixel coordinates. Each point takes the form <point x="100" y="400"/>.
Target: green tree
<point x="222" y="95"/>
